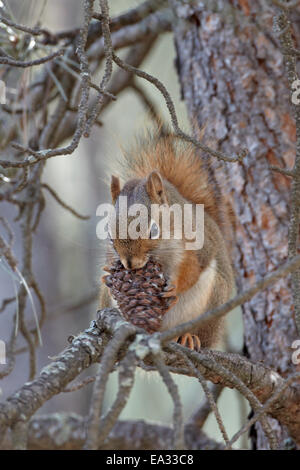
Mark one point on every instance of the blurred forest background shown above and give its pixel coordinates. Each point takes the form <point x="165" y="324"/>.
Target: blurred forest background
<point x="68" y="256"/>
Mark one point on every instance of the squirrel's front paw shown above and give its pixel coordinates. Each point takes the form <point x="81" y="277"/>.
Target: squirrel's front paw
<point x="189" y="341"/>
<point x="170" y="295"/>
<point x="170" y="290"/>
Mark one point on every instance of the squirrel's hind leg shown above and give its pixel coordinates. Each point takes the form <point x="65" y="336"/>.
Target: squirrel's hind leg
<point x="189" y="341"/>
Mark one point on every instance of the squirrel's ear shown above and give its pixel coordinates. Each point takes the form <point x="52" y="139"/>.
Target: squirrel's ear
<point x="115" y="188"/>
<point x="155" y="187"/>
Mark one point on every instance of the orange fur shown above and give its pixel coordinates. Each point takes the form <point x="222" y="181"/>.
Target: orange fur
<point x="189" y="272"/>
<point x="178" y="163"/>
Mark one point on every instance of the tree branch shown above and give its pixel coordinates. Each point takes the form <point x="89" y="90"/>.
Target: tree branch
<point x="67" y="431"/>
<point x="88" y="348"/>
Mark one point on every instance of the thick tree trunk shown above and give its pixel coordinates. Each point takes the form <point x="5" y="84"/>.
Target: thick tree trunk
<point x="233" y="82"/>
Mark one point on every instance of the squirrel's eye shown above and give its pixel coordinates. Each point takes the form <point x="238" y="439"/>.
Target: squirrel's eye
<point x="154" y="230"/>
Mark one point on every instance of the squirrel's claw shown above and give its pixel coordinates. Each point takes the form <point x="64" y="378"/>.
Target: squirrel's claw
<point x="170" y="295"/>
<point x="169" y="291"/>
<point x="107" y="269"/>
<point x="170" y="301"/>
<point x="190" y="341"/>
<point x="106" y="280"/>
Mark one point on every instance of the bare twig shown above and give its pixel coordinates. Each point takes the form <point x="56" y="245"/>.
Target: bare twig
<point x="6" y="302"/>
<point x="31" y="63"/>
<point x="267" y="405"/>
<point x="150" y="106"/>
<point x="199" y="417"/>
<point x="134" y="15"/>
<point x="127" y="368"/>
<point x="26" y="29"/>
<point x="173" y="390"/>
<point x="210" y="399"/>
<point x="79" y="385"/>
<point x="108" y="48"/>
<point x="82" y="108"/>
<point x="63" y="204"/>
<point x="170" y="105"/>
<point x="106" y="366"/>
<point x="234" y="379"/>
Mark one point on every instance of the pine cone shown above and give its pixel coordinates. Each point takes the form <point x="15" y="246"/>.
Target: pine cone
<point x="143" y="295"/>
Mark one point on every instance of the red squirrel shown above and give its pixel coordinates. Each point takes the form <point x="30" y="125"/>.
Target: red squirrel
<point x="163" y="170"/>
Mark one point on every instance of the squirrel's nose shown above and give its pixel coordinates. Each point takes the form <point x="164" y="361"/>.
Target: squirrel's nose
<point x="133" y="262"/>
<point x="126" y="263"/>
<point x="129" y="264"/>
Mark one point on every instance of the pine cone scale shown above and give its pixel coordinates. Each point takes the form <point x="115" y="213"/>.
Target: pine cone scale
<point x="140" y="293"/>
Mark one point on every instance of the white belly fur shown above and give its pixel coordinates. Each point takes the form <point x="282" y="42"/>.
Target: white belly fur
<point x="193" y="302"/>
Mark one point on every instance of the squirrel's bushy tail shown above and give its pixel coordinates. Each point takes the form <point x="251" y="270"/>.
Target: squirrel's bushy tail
<point x="177" y="162"/>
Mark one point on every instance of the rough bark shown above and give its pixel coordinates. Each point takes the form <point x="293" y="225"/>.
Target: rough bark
<point x="233" y="82"/>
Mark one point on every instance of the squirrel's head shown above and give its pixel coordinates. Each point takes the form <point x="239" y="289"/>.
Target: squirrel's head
<point x="137" y="235"/>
